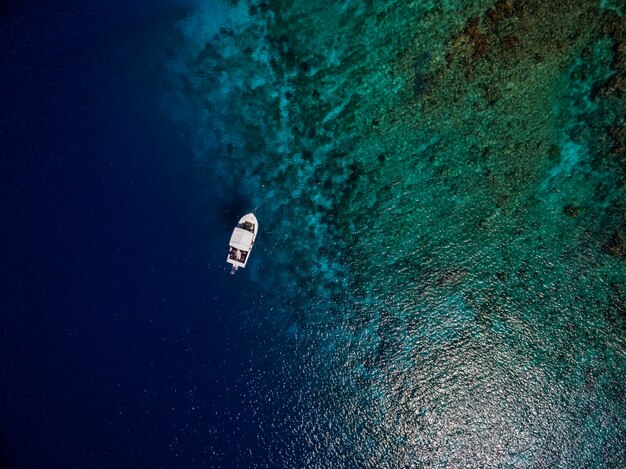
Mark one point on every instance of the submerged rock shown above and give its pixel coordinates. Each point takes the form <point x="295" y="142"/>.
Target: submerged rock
<point x="571" y="211"/>
<point x="616" y="245"/>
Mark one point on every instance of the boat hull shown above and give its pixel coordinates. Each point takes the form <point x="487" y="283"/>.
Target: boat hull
<point x="242" y="240"/>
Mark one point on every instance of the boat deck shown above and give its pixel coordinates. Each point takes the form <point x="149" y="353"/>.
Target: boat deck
<point x="237" y="255"/>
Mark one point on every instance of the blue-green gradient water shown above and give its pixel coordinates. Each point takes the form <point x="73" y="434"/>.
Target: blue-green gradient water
<point x="440" y="189"/>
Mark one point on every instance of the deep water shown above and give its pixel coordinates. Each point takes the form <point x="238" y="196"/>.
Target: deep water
<point x="439" y="279"/>
<point x="124" y="342"/>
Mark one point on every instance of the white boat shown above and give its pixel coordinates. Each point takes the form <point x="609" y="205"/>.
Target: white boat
<point x="241" y="241"/>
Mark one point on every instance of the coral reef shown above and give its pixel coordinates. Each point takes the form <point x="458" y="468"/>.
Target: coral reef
<point x="450" y="178"/>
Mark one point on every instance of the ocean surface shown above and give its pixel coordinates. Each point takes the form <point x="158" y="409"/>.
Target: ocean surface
<point x="440" y="276"/>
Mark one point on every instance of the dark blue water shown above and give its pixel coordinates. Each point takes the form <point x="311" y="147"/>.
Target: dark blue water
<point x="439" y="277"/>
<point x="123" y="341"/>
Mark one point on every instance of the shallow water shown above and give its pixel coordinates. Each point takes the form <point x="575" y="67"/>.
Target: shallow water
<point x="441" y="193"/>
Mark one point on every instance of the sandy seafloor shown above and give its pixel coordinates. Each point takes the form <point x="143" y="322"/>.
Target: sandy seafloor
<point x="440" y="277"/>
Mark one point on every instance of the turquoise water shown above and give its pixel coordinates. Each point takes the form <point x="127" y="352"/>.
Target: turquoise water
<point x="440" y="187"/>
